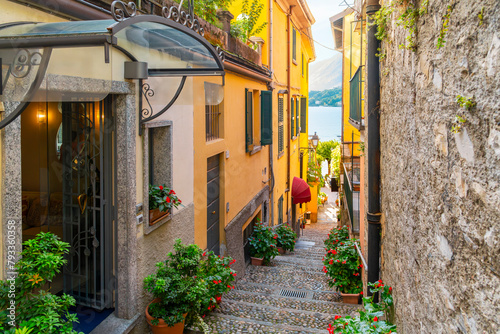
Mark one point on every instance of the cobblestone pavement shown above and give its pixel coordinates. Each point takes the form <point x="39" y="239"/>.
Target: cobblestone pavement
<point x="259" y="303"/>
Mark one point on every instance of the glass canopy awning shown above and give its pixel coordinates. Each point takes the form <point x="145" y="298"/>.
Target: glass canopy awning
<point x="33" y="55"/>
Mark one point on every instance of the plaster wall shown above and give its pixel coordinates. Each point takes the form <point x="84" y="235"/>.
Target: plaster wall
<point x="441" y="190"/>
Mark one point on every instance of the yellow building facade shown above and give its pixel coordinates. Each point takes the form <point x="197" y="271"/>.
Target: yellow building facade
<point x="349" y="33"/>
<point x="287" y="50"/>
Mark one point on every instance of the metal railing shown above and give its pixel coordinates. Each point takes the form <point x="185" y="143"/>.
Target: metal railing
<point x="352" y="198"/>
<point x="356" y="98"/>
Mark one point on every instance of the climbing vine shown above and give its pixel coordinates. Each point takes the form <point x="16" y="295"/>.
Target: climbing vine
<point x="444" y="28"/>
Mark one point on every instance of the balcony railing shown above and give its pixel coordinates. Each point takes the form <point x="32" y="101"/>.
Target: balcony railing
<point x="351" y="194"/>
<point x="356" y="98"/>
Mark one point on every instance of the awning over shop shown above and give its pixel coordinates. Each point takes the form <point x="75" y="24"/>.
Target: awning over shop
<point x="33" y="56"/>
<point x="300" y="191"/>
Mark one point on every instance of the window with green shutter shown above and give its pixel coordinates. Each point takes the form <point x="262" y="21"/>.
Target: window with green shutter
<point x="248" y="120"/>
<point x="292" y="118"/>
<point x="302" y="64"/>
<point x="280" y="210"/>
<point x="294" y="44"/>
<point x="303" y="115"/>
<point x="297" y="117"/>
<point x="281" y="129"/>
<point x="266" y="117"/>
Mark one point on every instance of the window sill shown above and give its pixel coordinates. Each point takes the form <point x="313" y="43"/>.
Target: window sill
<point x="295" y="138"/>
<point x="281" y="154"/>
<point x="295" y="62"/>
<point x="256" y="149"/>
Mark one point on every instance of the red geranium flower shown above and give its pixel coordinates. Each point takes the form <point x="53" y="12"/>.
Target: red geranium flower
<point x="161" y="187"/>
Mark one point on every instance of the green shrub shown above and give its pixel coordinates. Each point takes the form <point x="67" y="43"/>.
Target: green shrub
<point x="37" y="311"/>
<point x="286" y="237"/>
<point x="370" y="320"/>
<point x="263" y="243"/>
<point x="343" y="267"/>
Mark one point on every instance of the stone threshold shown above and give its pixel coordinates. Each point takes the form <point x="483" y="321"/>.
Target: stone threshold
<point x="274" y="287"/>
<point x="114" y="325"/>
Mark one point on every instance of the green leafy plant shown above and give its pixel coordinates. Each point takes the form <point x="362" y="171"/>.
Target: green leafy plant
<point x="457" y="124"/>
<point x="466" y="102"/>
<point x="381" y="56"/>
<point x="362" y="148"/>
<point x="176" y="285"/>
<point x="370" y="320"/>
<point x="444" y="28"/>
<point x="325" y="151"/>
<point x="336" y="236"/>
<point x="163" y="198"/>
<point x="36" y="309"/>
<point x="322" y="197"/>
<point x="336" y="157"/>
<point x="263" y="243"/>
<point x="245" y="25"/>
<point x="381" y="19"/>
<point x="207" y="9"/>
<point x="343" y="267"/>
<point x="313" y="173"/>
<point x="480" y="16"/>
<point x="286" y="237"/>
<point x="216" y="272"/>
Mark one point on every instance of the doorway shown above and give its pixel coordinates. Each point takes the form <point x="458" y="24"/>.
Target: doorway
<point x="213" y="204"/>
<point x="67" y="181"/>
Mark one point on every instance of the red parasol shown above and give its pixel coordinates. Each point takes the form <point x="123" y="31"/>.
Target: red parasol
<point x="300" y="191"/>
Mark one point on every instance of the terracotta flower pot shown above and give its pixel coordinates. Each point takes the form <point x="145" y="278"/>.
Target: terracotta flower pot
<point x="281" y="250"/>
<point x="349" y="298"/>
<point x="155" y="215"/>
<point x="257" y="261"/>
<point x="218" y="299"/>
<point x="162" y="327"/>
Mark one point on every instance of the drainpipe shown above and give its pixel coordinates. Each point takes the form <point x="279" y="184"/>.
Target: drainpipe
<point x="271" y="161"/>
<point x="288" y="116"/>
<point x="373" y="149"/>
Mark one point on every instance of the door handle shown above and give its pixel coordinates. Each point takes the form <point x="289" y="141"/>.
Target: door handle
<point x="213" y="212"/>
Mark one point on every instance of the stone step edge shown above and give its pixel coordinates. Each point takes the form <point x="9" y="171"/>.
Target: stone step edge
<point x="281" y="309"/>
<point x="272" y="286"/>
<point x="268" y="268"/>
<point x="276" y="294"/>
<point x="267" y="324"/>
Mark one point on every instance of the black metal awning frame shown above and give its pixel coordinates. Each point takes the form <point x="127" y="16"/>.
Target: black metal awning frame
<point x="125" y="15"/>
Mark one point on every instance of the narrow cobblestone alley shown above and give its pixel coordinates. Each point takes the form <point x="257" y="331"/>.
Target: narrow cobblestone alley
<point x="289" y="296"/>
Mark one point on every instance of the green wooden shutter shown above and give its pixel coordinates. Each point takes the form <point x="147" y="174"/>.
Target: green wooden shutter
<point x="297" y="117"/>
<point x="303" y="115"/>
<point x="281" y="130"/>
<point x="266" y="117"/>
<point x="248" y="120"/>
<point x="294" y="44"/>
<point x="292" y="118"/>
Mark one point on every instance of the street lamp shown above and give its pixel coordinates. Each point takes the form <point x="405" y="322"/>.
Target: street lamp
<point x="315" y="140"/>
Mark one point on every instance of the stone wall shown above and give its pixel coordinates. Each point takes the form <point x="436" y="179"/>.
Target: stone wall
<point x="441" y="190"/>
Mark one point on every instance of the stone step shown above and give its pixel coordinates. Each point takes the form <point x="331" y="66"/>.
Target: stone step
<point x="295" y="303"/>
<point x="276" y="316"/>
<point x="228" y="324"/>
<point x="296" y="278"/>
<point x="328" y="294"/>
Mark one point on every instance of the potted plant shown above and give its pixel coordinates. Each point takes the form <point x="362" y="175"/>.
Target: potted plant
<point x="161" y="201"/>
<point x="176" y="288"/>
<point x="286" y="238"/>
<point x="217" y="273"/>
<point x="36" y="309"/>
<point x="343" y="266"/>
<point x="262" y="245"/>
<point x="375" y="316"/>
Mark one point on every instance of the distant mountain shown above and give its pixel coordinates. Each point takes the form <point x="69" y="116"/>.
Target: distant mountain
<point x="326" y="74"/>
<point x="328" y="97"/>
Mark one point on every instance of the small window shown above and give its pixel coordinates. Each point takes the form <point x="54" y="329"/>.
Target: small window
<point x="248" y="120"/>
<point x="160" y="156"/>
<point x="297" y="127"/>
<point x="303" y="115"/>
<point x="303" y="65"/>
<point x="294" y="44"/>
<point x="281" y="129"/>
<point x="214" y="95"/>
<point x="292" y="118"/>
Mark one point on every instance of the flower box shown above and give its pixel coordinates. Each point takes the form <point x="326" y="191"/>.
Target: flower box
<point x="350" y="298"/>
<point x="257" y="261"/>
<point x="156" y="215"/>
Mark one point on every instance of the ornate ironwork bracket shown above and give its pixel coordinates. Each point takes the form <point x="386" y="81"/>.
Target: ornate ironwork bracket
<point x="121" y="11"/>
<point x="147" y="113"/>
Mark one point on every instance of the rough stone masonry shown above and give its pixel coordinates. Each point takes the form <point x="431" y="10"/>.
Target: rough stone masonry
<point x="441" y="190"/>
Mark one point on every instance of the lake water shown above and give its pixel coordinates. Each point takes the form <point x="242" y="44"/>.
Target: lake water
<point x="326" y="121"/>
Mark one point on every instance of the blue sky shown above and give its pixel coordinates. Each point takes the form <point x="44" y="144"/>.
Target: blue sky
<point x="322" y="10"/>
